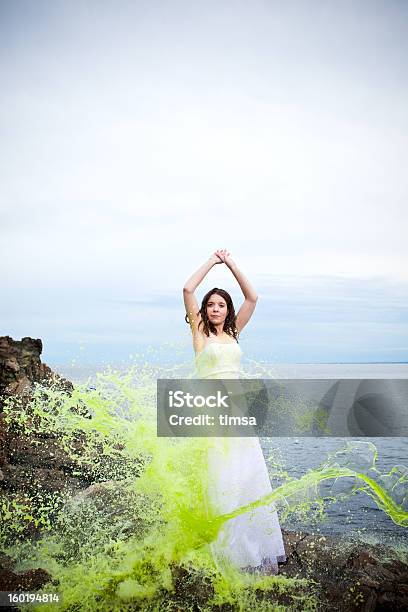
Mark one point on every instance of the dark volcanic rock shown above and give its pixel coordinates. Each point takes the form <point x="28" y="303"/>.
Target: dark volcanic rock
<point x="21" y="366"/>
<point x="35" y="463"/>
<point x="351" y="576"/>
<point x="30" y="580"/>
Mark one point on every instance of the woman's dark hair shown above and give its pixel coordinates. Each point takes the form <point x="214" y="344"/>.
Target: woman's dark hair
<point x="229" y="323"/>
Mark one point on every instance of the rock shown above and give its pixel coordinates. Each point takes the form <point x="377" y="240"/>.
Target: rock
<point x="351" y="576"/>
<point x="36" y="463"/>
<point x="39" y="480"/>
<point x="21" y="366"/>
<point x="31" y="580"/>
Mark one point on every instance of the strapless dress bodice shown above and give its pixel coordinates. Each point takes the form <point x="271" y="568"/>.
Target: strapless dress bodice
<point x="218" y="360"/>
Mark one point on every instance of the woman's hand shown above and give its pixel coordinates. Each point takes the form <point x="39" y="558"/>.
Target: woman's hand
<point x="225" y="256"/>
<point x="216" y="258"/>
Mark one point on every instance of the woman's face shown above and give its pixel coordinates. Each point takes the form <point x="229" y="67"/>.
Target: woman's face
<point x="217" y="309"/>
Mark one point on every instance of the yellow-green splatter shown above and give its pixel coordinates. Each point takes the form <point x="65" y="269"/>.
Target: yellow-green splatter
<point x="129" y="541"/>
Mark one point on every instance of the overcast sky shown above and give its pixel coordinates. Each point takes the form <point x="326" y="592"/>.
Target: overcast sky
<point x="138" y="137"/>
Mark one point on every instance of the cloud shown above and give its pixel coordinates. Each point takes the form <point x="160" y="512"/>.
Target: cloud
<point x="128" y="157"/>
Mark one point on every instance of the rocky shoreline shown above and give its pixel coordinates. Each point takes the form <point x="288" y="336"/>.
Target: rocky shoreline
<point x="347" y="576"/>
<point x="26" y="462"/>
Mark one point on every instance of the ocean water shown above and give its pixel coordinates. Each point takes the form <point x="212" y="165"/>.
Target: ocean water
<point x="359" y="516"/>
<point x="80" y="373"/>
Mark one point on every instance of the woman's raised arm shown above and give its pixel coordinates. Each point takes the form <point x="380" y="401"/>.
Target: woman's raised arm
<point x="251" y="297"/>
<point x="191" y="285"/>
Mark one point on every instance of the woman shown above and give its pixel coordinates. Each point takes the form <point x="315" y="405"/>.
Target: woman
<point x="237" y="473"/>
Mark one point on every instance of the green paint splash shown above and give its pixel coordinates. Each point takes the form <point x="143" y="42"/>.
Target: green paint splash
<point x="146" y="527"/>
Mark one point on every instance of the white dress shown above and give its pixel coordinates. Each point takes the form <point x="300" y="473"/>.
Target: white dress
<point x="237" y="476"/>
